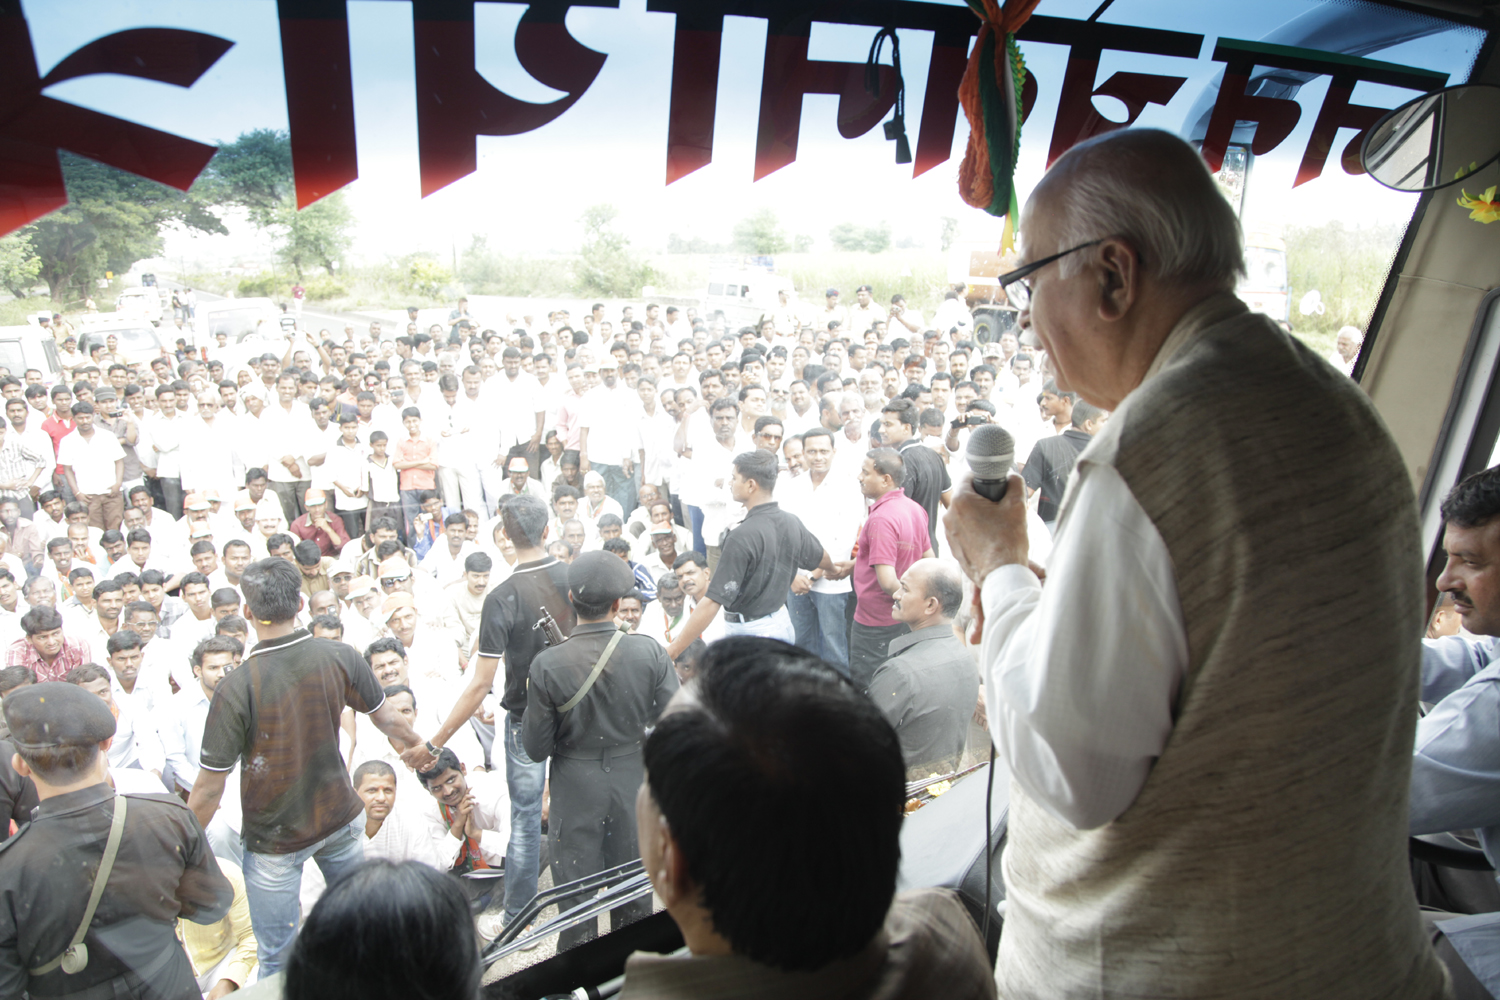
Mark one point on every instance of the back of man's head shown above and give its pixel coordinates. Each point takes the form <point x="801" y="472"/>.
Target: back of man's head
<point x="766" y="724"/>
<point x="273" y="589"/>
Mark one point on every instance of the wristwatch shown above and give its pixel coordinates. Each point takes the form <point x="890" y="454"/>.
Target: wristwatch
<point x="432" y="749"/>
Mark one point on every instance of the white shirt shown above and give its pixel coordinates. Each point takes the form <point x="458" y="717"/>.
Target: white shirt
<point x="446" y="568"/>
<point x="491" y="812"/>
<point x="1081" y="677"/>
<point x="833" y="512"/>
<point x="511" y="405"/>
<point x="281" y="433"/>
<point x="612" y="418"/>
<point x="93" y="460"/>
<point x="405" y="836"/>
<point x="182" y="733"/>
<point x="166" y="438"/>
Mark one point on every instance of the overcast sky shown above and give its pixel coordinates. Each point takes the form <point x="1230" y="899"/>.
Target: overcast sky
<point x="611" y="146"/>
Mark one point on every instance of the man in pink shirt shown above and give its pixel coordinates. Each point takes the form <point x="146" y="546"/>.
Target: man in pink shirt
<point x="893" y="537"/>
<point x="416" y="461"/>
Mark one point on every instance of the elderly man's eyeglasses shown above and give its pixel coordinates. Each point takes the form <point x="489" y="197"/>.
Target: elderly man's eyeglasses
<point x="1018" y="289"/>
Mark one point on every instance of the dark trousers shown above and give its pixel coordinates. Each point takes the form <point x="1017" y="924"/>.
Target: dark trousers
<point x="354" y="522"/>
<point x="171" y="495"/>
<point x="105" y="510"/>
<point x="291" y="496"/>
<point x="869" y="646"/>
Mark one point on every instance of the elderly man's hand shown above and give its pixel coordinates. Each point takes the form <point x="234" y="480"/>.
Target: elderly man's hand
<point x="985" y="536"/>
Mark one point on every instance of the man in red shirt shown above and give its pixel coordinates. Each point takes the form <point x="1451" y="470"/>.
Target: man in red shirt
<point x="57" y="427"/>
<point x="317" y="526"/>
<point x="893" y="537"/>
<point x="44" y="650"/>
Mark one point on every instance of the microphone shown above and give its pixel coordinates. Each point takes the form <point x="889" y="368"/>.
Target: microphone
<point x="990" y="453"/>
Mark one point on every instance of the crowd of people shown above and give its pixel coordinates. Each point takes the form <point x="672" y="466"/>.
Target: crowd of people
<point x="361" y="598"/>
<point x="437" y="491"/>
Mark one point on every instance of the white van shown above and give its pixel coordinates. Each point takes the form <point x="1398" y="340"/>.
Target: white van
<point x="23" y="347"/>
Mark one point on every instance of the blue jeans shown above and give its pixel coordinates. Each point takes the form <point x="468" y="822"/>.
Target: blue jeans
<point x="695" y="522"/>
<point x="524" y="778"/>
<point x="774" y="626"/>
<point x="619" y="485"/>
<point x="819" y="620"/>
<point x="273" y="887"/>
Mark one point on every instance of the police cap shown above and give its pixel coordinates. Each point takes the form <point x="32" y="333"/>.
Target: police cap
<point x="57" y="714"/>
<point x="599" y="578"/>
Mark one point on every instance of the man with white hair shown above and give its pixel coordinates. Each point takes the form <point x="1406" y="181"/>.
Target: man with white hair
<point x="1244" y="693"/>
<point x="1346" y="349"/>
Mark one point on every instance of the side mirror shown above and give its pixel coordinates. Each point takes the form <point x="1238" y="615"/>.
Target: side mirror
<point x="1435" y="140"/>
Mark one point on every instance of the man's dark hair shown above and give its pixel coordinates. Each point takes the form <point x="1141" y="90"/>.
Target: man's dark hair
<point x="200" y="547"/>
<point x="819" y="431"/>
<point x="888" y="463"/>
<point x="759" y="466"/>
<point x="122" y="640"/>
<point x="14" y="677"/>
<point x="447" y="760"/>
<point x="1084" y="412"/>
<point x="224" y="597"/>
<point x="273" y="589"/>
<point x="216" y="644"/>
<point x="281" y="538"/>
<point x="386" y="549"/>
<point x="386" y="644"/>
<point x="233" y="625"/>
<point x="609" y="521"/>
<point x="1474" y="501"/>
<point x="375" y="767"/>
<point x="190" y="579"/>
<point x="696" y="558"/>
<point x="773" y="724"/>
<point x="618" y="546"/>
<point x="769" y="420"/>
<point x="232" y="543"/>
<point x="41" y="619"/>
<point x="329" y="622"/>
<point x="479" y="562"/>
<point x="152" y="577"/>
<point x="386" y="929"/>
<point x="138" y="535"/>
<point x="525" y="518"/>
<point x="905" y="411"/>
<point x="307" y="553"/>
<point x="136" y="608"/>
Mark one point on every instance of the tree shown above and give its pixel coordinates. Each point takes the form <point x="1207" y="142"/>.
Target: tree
<point x="802" y="243"/>
<point x="112" y="219"/>
<point x="1347" y="266"/>
<point x="848" y="236"/>
<point x="19" y="265"/>
<point x="255" y="173"/>
<point x="759" y="233"/>
<point x="609" y="266"/>
<point x="316" y="236"/>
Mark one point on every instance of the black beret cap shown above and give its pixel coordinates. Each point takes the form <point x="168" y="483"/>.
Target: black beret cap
<point x="57" y="714"/>
<point x="600" y="577"/>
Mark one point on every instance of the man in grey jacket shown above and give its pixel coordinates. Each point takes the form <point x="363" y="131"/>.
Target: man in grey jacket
<point x="929" y="687"/>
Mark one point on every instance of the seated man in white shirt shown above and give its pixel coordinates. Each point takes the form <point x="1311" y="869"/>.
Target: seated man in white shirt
<point x="692" y="572"/>
<point x="394" y="833"/>
<point x="135" y="743"/>
<point x="181" y="733"/>
<point x="445" y="560"/>
<point x="470" y="813"/>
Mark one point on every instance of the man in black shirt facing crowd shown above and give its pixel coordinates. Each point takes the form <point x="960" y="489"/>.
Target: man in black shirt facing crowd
<point x="507" y="628"/>
<point x="760" y="558"/>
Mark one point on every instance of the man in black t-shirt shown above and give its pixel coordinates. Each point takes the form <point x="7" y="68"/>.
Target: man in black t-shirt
<point x="1052" y="459"/>
<point x="508" y="628"/>
<point x="927" y="481"/>
<point x="277" y="716"/>
<point x="758" y="562"/>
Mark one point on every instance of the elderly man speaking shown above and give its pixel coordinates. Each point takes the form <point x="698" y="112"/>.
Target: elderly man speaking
<point x="1208" y="712"/>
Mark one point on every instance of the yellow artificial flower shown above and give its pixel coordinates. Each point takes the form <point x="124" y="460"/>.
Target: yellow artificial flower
<point x="1484" y="209"/>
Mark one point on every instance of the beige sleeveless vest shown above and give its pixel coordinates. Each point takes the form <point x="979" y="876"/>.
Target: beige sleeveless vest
<point x="1265" y="857"/>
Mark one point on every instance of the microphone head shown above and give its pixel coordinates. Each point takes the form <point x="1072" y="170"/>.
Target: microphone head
<point x="991" y="452"/>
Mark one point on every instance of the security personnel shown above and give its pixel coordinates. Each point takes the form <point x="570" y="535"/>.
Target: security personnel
<point x="588" y="706"/>
<point x="61" y="934"/>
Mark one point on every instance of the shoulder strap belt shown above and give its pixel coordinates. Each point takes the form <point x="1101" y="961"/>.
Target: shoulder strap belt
<point x="76" y="957"/>
<point x="568" y="705"/>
